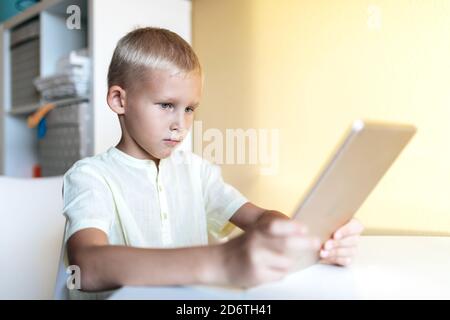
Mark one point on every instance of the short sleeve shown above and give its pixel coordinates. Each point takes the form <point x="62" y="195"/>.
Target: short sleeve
<point x="221" y="199"/>
<point x="88" y="201"/>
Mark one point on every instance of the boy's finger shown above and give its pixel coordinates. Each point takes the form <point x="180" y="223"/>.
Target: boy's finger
<point x="338" y="253"/>
<point x="337" y="261"/>
<point x="342" y="261"/>
<point x="296" y="244"/>
<point x="353" y="227"/>
<point x="346" y="242"/>
<point x="293" y="246"/>
<point x="281" y="262"/>
<point x="282" y="228"/>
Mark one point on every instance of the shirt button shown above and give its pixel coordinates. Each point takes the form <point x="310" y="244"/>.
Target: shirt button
<point x="164" y="214"/>
<point x="160" y="188"/>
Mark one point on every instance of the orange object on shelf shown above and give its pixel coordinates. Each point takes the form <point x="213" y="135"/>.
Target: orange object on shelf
<point x="35" y="118"/>
<point x="37" y="171"/>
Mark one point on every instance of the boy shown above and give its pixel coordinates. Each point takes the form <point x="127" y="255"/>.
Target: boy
<point x="139" y="214"/>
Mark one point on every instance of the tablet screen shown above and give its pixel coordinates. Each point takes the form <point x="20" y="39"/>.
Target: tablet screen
<point x="361" y="159"/>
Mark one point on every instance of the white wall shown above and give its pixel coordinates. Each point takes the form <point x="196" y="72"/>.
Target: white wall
<point x="110" y="20"/>
<point x="309" y="68"/>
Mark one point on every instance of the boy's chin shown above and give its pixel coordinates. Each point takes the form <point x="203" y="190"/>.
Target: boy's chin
<point x="165" y="154"/>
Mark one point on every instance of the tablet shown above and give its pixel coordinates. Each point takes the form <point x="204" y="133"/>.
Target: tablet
<point x="361" y="159"/>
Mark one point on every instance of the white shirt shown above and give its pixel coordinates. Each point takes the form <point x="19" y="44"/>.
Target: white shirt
<point x="136" y="204"/>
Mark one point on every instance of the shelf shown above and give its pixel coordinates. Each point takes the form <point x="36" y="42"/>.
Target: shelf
<point x="25" y="110"/>
<point x="19" y="146"/>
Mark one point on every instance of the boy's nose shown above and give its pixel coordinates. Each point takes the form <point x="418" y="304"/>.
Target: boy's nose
<point x="178" y="123"/>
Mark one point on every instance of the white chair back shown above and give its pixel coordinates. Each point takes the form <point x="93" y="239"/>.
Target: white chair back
<point x="31" y="233"/>
<point x="61" y="291"/>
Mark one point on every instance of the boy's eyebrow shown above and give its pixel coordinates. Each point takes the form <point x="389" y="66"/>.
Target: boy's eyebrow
<point x="175" y="101"/>
<point x="164" y="98"/>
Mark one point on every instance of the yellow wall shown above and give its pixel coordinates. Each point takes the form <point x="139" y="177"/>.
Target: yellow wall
<point x="309" y="68"/>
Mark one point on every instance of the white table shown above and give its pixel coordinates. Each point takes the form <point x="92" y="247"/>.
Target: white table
<point x="386" y="267"/>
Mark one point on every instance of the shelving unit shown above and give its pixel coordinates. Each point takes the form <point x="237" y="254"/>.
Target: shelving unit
<point x="103" y="23"/>
<point x="26" y="110"/>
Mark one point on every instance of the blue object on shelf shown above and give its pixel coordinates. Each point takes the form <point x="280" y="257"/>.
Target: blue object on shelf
<point x="9" y="8"/>
<point x="42" y="128"/>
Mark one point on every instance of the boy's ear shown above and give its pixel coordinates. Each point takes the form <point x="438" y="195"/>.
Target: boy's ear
<point x="116" y="99"/>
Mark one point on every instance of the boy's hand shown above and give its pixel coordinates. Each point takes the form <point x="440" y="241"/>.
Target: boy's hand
<point x="265" y="252"/>
<point x="341" y="248"/>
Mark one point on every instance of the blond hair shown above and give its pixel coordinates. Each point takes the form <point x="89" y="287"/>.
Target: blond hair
<point x="146" y="49"/>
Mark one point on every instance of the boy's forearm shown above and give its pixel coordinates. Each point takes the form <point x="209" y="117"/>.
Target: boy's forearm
<point x="268" y="214"/>
<point x="108" y="267"/>
<point x="247" y="215"/>
<point x="275" y="214"/>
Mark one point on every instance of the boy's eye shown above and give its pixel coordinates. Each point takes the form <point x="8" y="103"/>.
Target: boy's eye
<point x="189" y="110"/>
<point x="166" y="105"/>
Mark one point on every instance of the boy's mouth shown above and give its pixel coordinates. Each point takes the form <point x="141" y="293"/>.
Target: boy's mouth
<point x="175" y="140"/>
<point x="172" y="142"/>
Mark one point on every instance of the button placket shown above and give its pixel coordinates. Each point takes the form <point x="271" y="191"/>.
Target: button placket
<point x="165" y="222"/>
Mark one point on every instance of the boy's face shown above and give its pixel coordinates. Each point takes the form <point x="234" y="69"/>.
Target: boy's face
<point x="158" y="114"/>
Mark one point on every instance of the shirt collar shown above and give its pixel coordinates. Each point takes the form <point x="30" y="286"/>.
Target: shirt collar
<point x="132" y="161"/>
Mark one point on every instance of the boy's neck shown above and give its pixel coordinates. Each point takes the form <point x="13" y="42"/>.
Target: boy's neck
<point x="135" y="151"/>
